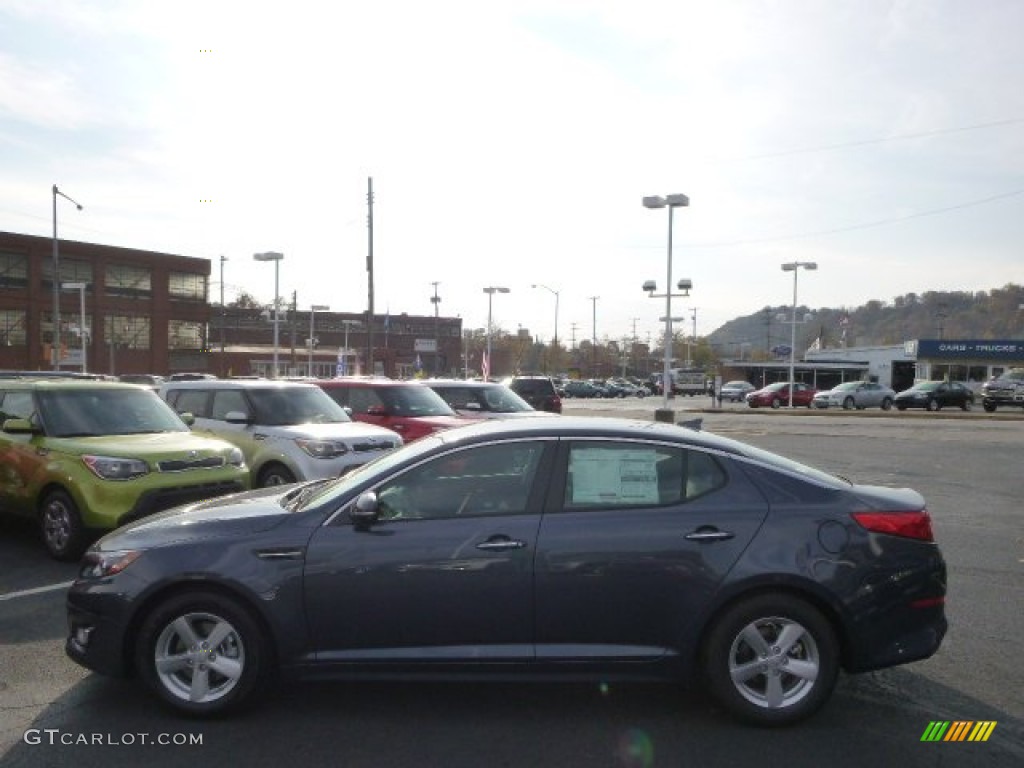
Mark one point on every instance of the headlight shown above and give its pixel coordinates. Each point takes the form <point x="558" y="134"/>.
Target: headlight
<point x="235" y="457"/>
<point x="322" y="449"/>
<point x="97" y="565"/>
<point x="115" y="467"/>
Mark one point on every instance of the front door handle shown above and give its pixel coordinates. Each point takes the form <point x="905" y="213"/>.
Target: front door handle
<point x="709" y="533"/>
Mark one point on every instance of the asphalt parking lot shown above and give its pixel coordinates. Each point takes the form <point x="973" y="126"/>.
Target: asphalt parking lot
<point x="966" y="464"/>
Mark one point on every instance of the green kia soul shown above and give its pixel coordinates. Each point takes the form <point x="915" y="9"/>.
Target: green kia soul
<point x="83" y="457"/>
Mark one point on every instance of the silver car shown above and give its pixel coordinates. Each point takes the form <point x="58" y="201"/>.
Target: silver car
<point x="856" y="394"/>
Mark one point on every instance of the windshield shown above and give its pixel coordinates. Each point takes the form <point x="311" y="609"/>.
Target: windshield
<point x="287" y="406"/>
<point x="120" y="411"/>
<point x="414" y="400"/>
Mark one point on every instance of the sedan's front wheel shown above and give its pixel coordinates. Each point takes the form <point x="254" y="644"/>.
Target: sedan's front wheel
<point x="202" y="653"/>
<point x="771" y="660"/>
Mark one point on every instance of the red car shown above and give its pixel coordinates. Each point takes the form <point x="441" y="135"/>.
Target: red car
<point x="409" y="408"/>
<point x="777" y="394"/>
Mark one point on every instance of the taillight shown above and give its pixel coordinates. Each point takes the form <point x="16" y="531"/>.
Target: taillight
<point x="909" y="525"/>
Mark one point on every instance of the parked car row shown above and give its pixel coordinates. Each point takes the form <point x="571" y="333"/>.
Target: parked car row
<point x="850" y="395"/>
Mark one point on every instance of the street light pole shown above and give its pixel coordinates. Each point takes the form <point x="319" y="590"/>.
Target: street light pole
<point x="671" y="202"/>
<point x="794" y="267"/>
<point x="276" y="258"/>
<point x="313" y="309"/>
<point x="80" y="287"/>
<point x="56" y="280"/>
<point x="436" y="301"/>
<point x="344" y="353"/>
<point x="223" y="313"/>
<point x="593" y="337"/>
<point x="490" y="291"/>
<point x="553" y="291"/>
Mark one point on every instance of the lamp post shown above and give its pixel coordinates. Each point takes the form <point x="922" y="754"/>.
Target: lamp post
<point x="80" y="287"/>
<point x="593" y="336"/>
<point x="490" y="291"/>
<point x="555" y="293"/>
<point x="671" y="202"/>
<point x="794" y="267"/>
<point x="313" y="309"/>
<point x="436" y="301"/>
<point x="56" y="280"/>
<point x="276" y="258"/>
<point x="344" y="353"/>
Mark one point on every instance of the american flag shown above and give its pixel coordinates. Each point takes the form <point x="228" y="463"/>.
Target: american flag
<point x="485" y="366"/>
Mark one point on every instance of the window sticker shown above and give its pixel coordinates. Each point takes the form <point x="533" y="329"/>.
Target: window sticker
<point x="617" y="476"/>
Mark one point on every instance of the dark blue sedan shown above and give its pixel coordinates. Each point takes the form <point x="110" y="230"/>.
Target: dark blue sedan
<point x="556" y="548"/>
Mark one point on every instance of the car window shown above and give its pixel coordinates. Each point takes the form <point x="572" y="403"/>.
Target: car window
<point x="626" y="474"/>
<point x="286" y="406"/>
<point x="16" y="405"/>
<point x="226" y="401"/>
<point x="194" y="401"/>
<point x="416" y="400"/>
<point x="361" y="399"/>
<point x="483" y="480"/>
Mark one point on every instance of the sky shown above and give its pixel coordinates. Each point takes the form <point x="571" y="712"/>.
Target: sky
<point x="510" y="144"/>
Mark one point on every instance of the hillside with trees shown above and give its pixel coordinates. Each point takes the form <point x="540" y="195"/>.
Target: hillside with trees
<point x="994" y="314"/>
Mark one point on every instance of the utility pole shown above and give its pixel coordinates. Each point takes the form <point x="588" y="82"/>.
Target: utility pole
<point x="369" y="281"/>
<point x="223" y="320"/>
<point x="295" y="313"/>
<point x="593" y="339"/>
<point x="693" y="313"/>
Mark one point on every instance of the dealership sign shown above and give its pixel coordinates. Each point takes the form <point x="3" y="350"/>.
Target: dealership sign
<point x="971" y="349"/>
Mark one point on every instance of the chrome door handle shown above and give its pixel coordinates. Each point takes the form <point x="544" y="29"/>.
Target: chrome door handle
<point x="498" y="546"/>
<point x="709" y="534"/>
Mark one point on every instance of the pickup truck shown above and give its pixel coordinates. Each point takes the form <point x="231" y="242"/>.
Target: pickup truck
<point x="1005" y="389"/>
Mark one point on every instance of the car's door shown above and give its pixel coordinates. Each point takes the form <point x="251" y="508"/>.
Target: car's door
<point x="633" y="546"/>
<point x="22" y="456"/>
<point x="446" y="573"/>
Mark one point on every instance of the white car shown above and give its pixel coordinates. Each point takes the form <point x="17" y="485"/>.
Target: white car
<point x="856" y="394"/>
<point x="289" y="431"/>
<point x="736" y="391"/>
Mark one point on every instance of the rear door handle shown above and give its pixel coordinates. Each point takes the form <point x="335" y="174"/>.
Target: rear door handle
<point x="500" y="545"/>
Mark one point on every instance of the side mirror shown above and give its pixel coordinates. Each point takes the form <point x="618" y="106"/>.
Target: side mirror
<point x="188" y="418"/>
<point x="21" y="427"/>
<point x="365" y="511"/>
<point x="236" y="417"/>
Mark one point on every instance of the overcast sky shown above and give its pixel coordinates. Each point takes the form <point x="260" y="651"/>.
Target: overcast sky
<point x="510" y="144"/>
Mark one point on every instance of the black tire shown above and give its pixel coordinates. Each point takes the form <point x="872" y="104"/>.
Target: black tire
<point x="776" y="402"/>
<point x="887" y="404"/>
<point x="274" y="474"/>
<point x="60" y="525"/>
<point x="989" y="407"/>
<point x="966" y="405"/>
<point x="784" y="684"/>
<point x="901" y="407"/>
<point x="848" y="404"/>
<point x="933" y="404"/>
<point x="223" y="673"/>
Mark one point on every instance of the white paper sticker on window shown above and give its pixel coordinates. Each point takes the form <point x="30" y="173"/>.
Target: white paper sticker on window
<point x="602" y="476"/>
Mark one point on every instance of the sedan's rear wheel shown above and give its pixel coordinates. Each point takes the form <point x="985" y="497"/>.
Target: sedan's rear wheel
<point x="886" y="403"/>
<point x="202" y="653"/>
<point x="776" y="402"/>
<point x="771" y="660"/>
<point x="966" y="405"/>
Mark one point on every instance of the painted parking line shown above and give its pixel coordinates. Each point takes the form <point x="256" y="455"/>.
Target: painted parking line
<point x="35" y="591"/>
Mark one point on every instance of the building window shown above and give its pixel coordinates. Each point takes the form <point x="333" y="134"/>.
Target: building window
<point x="12" y="328"/>
<point x="127" y="331"/>
<point x="128" y="281"/>
<point x="187" y="286"/>
<point x="13" y="270"/>
<point x="71" y="271"/>
<point x="183" y="334"/>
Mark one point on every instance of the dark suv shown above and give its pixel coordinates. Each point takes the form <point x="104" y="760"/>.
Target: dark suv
<point x="538" y="391"/>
